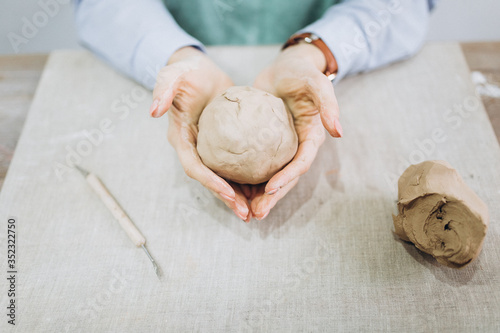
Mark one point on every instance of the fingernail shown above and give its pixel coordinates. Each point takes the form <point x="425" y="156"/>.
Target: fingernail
<point x="272" y="191"/>
<point x="243" y="210"/>
<point x="330" y="121"/>
<point x="263" y="217"/>
<point x="156" y="112"/>
<point x="153" y="107"/>
<point x="227" y="197"/>
<point x="338" y="128"/>
<point x="249" y="217"/>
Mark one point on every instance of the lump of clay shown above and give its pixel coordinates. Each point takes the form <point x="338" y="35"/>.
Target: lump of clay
<point x="246" y="135"/>
<point x="440" y="214"/>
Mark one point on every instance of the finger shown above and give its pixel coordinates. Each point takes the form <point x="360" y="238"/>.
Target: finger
<point x="192" y="164"/>
<point x="194" y="168"/>
<point x="166" y="87"/>
<point x="298" y="166"/>
<point x="323" y="97"/>
<point x="251" y="190"/>
<point x="239" y="207"/>
<point x="263" y="81"/>
<point x="231" y="204"/>
<point x="249" y="217"/>
<point x="256" y="189"/>
<point x="245" y="188"/>
<point x="242" y="205"/>
<point x="263" y="204"/>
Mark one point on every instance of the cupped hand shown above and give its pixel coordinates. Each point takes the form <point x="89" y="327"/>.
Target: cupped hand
<point x="183" y="88"/>
<point x="296" y="76"/>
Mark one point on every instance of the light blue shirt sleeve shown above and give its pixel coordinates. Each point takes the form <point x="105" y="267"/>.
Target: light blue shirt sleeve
<point x="367" y="34"/>
<point x="136" y="37"/>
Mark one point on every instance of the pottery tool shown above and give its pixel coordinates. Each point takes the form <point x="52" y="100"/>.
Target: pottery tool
<point x="114" y="207"/>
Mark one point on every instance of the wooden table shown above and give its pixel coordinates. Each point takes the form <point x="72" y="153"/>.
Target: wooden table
<point x="19" y="77"/>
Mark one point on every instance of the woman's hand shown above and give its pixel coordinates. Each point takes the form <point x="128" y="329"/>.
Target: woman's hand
<point x="296" y="76"/>
<point x="184" y="87"/>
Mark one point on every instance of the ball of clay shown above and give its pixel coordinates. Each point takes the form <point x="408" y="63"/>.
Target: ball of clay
<point x="440" y="214"/>
<point x="246" y="135"/>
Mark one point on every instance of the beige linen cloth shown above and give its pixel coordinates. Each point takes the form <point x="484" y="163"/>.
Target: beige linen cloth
<point x="324" y="260"/>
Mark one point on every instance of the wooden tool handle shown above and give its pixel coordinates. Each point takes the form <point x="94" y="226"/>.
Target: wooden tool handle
<point x="133" y="233"/>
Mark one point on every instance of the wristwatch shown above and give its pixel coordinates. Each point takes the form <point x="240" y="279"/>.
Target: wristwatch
<point x="310" y="38"/>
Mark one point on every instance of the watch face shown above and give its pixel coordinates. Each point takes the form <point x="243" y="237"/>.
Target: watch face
<point x="308" y="38"/>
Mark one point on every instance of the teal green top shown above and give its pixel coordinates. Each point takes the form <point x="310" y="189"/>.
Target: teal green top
<point x="245" y="22"/>
<point x="138" y="37"/>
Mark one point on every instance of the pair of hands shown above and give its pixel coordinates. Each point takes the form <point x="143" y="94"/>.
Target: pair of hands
<point x="191" y="80"/>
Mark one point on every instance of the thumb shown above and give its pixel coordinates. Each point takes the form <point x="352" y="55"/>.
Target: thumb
<point x="166" y="87"/>
<point x="325" y="101"/>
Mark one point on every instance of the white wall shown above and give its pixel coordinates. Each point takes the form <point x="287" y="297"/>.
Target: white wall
<point x="462" y="20"/>
<point x="57" y="31"/>
<point x="466" y="20"/>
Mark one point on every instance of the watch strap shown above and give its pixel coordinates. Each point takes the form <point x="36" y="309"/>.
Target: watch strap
<point x="310" y="38"/>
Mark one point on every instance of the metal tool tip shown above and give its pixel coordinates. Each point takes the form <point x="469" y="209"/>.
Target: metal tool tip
<point x="155" y="266"/>
<point x="157" y="269"/>
<point x="82" y="171"/>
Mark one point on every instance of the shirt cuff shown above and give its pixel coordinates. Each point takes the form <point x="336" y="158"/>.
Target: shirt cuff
<point x="333" y="33"/>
